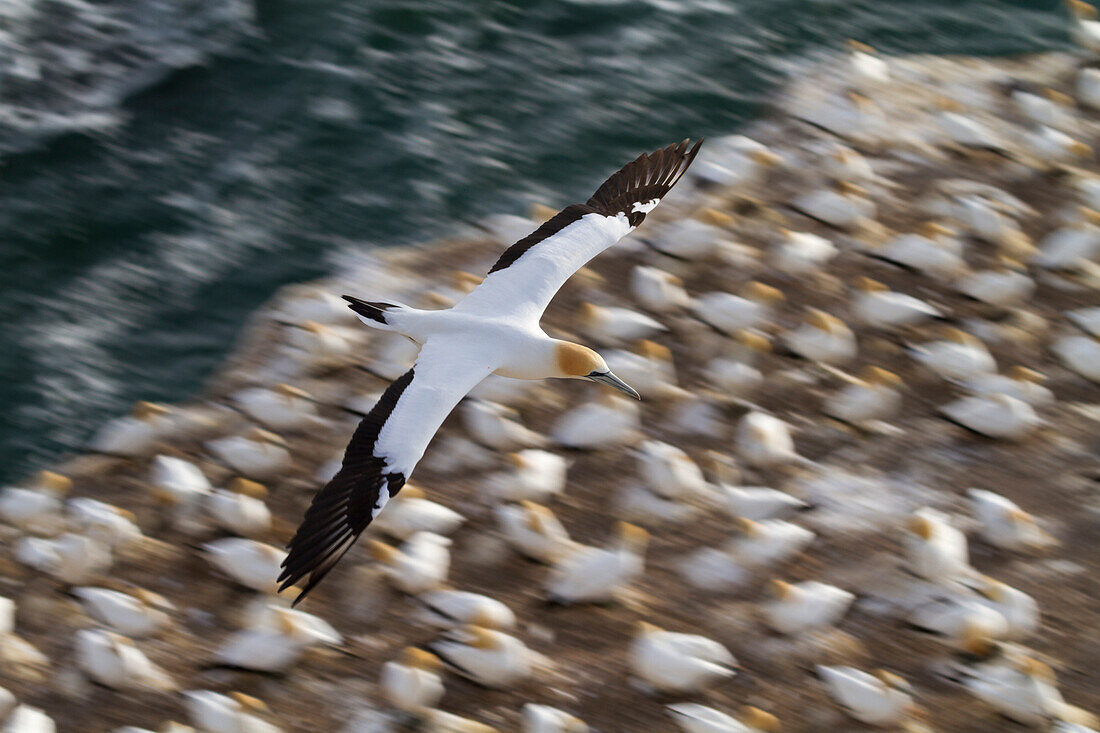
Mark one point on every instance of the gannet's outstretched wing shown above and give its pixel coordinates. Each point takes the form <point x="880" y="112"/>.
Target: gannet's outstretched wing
<point x="382" y="453"/>
<point x="531" y="271"/>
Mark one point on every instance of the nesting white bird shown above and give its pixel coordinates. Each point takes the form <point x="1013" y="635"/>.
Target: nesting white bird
<point x="695" y="718"/>
<point x="258" y="454"/>
<point x="963" y="131"/>
<point x="614" y="325"/>
<point x="27" y="719"/>
<point x="673" y="662"/>
<point x="759" y="502"/>
<point x="649" y="366"/>
<point x="1001" y="286"/>
<point x="865" y="65"/>
<point x="535" y="475"/>
<point x="841" y="163"/>
<point x="935" y="550"/>
<point x="38" y="506"/>
<point x="881" y="699"/>
<point x="534" y="531"/>
<point x="447" y="608"/>
<point x="599" y="424"/>
<point x="958" y="355"/>
<point x="282" y="407"/>
<point x="111" y="525"/>
<point x="440" y="721"/>
<point x="594" y="574"/>
<point x="276" y="641"/>
<point x="135" y="434"/>
<point x="545" y="719"/>
<point x="763" y="440"/>
<point x="71" y="558"/>
<point x="1019" y="382"/>
<point x="420" y="564"/>
<point x="731" y="313"/>
<point x="247" y="562"/>
<point x="1025" y="691"/>
<point x="313" y="344"/>
<point x="657" y="290"/>
<point x="1081" y="354"/>
<point x="1065" y="248"/>
<point x="846" y="205"/>
<point x="822" y="337"/>
<point x="177" y="482"/>
<point x="688" y="239"/>
<point x="874" y="395"/>
<point x="412" y="683"/>
<point x="240" y="508"/>
<point x="668" y="471"/>
<point x="1088" y="87"/>
<point x="933" y="250"/>
<point x="801" y="253"/>
<point x="959" y="619"/>
<point x="493" y="329"/>
<point x="1020" y="610"/>
<point x="1046" y="108"/>
<point x="735" y="160"/>
<point x="734" y="372"/>
<point x="993" y="415"/>
<point x="878" y="306"/>
<point x="488" y="657"/>
<point x="412" y="512"/>
<point x="136" y="614"/>
<point x="798" y="607"/>
<point x="1086" y="319"/>
<point x="213" y="712"/>
<point x="1052" y="146"/>
<point x="1006" y="525"/>
<point x="115" y="661"/>
<point x="498" y="426"/>
<point x="763" y="542"/>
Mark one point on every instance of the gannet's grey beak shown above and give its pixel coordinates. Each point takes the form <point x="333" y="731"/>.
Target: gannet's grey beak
<point x="611" y="380"/>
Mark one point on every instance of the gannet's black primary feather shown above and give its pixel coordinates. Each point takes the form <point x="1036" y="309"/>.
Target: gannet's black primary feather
<point x="646" y="178"/>
<point x="649" y="177"/>
<point x="347" y="504"/>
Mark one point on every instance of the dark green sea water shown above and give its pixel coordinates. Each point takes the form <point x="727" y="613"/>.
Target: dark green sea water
<point x="216" y="150"/>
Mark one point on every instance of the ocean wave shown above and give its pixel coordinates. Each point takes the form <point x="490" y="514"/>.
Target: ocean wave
<point x="67" y="65"/>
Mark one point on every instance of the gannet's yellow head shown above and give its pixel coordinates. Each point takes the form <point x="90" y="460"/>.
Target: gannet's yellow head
<point x="248" y="702"/>
<point x="1081" y="10"/>
<point x="780" y="589"/>
<point x="757" y="719"/>
<point x="148" y="410"/>
<point x="54" y="482"/>
<point x="574" y="361"/>
<point x="933" y="230"/>
<point x="881" y="377"/>
<point x="921" y="527"/>
<point x="632" y="536"/>
<point x="418" y="658"/>
<point x="893" y="681"/>
<point x="868" y="285"/>
<point x="1022" y="374"/>
<point x="761" y="293"/>
<point x="854" y="45"/>
<point x="248" y="488"/>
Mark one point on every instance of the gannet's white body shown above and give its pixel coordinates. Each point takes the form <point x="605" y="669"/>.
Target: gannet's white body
<point x="492" y="330"/>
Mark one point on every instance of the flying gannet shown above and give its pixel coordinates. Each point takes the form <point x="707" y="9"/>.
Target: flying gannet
<point x="492" y="330"/>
